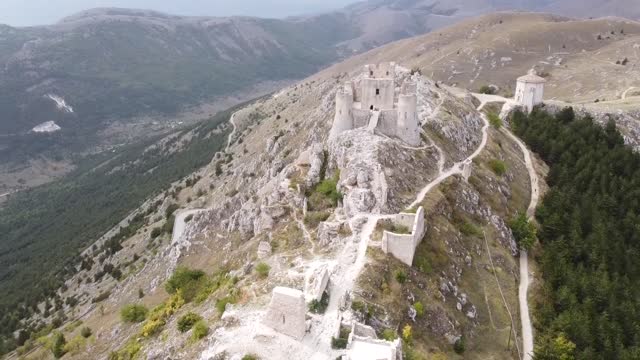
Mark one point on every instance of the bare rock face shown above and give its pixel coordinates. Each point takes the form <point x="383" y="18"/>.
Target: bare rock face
<point x="361" y="200"/>
<point x="316" y="157"/>
<point x="287" y="312"/>
<point x="328" y="232"/>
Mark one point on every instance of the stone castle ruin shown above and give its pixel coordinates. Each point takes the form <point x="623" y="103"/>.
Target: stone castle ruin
<point x="530" y="90"/>
<point x="376" y="102"/>
<point x="403" y="246"/>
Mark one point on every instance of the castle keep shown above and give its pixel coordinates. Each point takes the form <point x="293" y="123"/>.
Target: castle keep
<point x="376" y="103"/>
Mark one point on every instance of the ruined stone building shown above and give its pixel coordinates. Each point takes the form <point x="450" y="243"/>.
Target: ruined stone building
<point x="530" y="90"/>
<point x="287" y="312"/>
<point x="375" y="102"/>
<point x="403" y="246"/>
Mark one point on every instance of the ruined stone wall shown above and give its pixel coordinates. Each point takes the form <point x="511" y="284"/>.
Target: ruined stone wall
<point x="403" y="246"/>
<point x="287" y="312"/>
<point x="367" y="348"/>
<point x="360" y="118"/>
<point x="387" y="123"/>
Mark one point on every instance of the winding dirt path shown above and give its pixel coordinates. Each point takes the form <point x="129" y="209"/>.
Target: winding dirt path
<point x="624" y="94"/>
<point x="525" y="280"/>
<point x="233" y="132"/>
<point x="457" y="168"/>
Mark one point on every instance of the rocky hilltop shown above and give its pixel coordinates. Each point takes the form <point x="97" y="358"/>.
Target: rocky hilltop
<point x="285" y="206"/>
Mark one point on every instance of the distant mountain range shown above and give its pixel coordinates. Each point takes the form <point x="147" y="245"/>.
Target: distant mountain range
<point x="116" y="64"/>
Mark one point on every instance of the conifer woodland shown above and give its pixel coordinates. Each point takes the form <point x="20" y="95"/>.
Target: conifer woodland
<point x="589" y="307"/>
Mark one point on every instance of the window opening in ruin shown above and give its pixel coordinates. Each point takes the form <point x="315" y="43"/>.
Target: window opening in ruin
<point x="387" y="73"/>
<point x="371" y="108"/>
<point x="371" y="72"/>
<point x="377" y="91"/>
<point x="283" y="319"/>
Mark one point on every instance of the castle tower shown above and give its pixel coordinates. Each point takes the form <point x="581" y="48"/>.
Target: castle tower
<point x="378" y="86"/>
<point x="380" y="71"/>
<point x="343" y="119"/>
<point x="408" y="126"/>
<point x="530" y="90"/>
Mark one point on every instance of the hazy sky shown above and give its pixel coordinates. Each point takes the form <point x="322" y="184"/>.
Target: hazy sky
<point x="38" y="12"/>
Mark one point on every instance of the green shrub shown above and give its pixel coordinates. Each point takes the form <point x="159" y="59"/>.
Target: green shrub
<point x="221" y="304"/>
<point x="75" y="345"/>
<point x="523" y="230"/>
<point x="469" y="229"/>
<point x="459" y="346"/>
<point x="128" y="352"/>
<point x="419" y="308"/>
<point x="262" y="270"/>
<point x="494" y="120"/>
<point x="338" y="343"/>
<point x="160" y="314"/>
<point x="486" y="89"/>
<point x="57" y="344"/>
<point x="170" y="210"/>
<point x="328" y="188"/>
<point x="314" y="218"/>
<point x="498" y="167"/>
<point x="186" y="322"/>
<point x="422" y="263"/>
<point x="157" y="231"/>
<point x="389" y="334"/>
<point x="189" y="282"/>
<point x="86" y="332"/>
<point x="200" y="330"/>
<point x="250" y="357"/>
<point x="401" y="276"/>
<point x="400" y="229"/>
<point x="168" y="225"/>
<point x="134" y="313"/>
<point x="101" y="297"/>
<point x="319" y="307"/>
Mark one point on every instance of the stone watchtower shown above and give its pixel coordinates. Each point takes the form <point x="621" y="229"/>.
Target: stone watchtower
<point x="373" y="102"/>
<point x="530" y="90"/>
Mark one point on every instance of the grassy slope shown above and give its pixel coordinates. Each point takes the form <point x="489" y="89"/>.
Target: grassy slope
<point x="451" y="234"/>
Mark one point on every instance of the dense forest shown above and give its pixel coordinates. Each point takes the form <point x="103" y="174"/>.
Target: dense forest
<point x="590" y="235"/>
<point x="43" y="230"/>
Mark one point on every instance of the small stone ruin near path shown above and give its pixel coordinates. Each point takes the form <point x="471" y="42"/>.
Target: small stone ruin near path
<point x="403" y="246"/>
<point x="287" y="312"/>
<point x="364" y="345"/>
